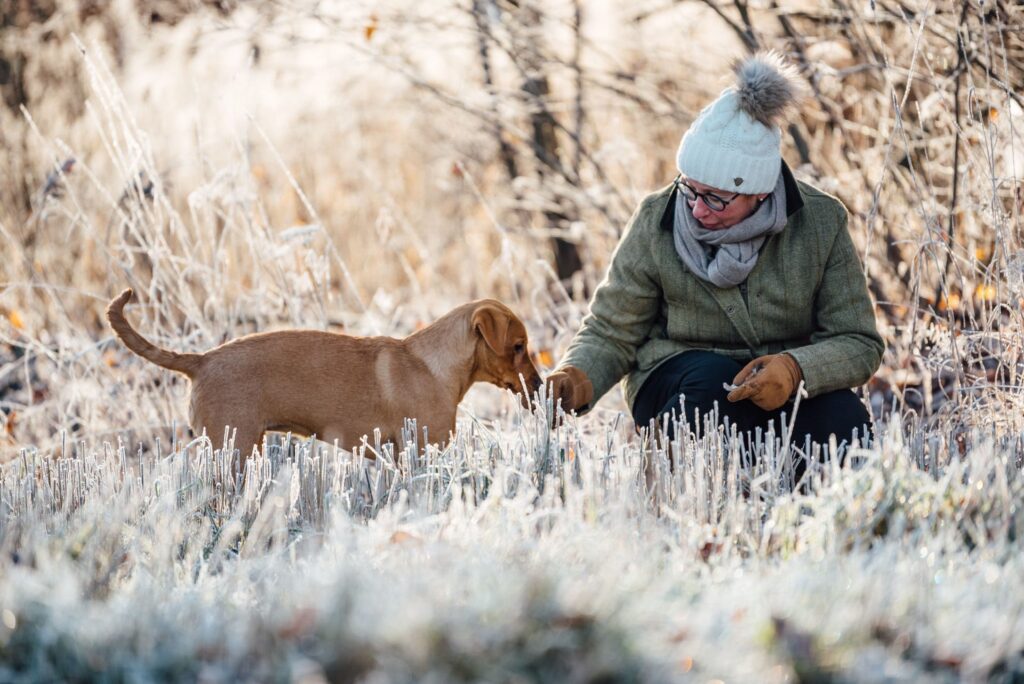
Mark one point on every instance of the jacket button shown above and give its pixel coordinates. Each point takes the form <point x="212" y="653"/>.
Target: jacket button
<point x="729" y="309"/>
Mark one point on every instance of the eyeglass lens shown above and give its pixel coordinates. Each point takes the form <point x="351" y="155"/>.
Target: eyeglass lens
<point x="713" y="202"/>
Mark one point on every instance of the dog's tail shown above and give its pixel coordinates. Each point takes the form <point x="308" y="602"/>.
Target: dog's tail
<point x="183" y="363"/>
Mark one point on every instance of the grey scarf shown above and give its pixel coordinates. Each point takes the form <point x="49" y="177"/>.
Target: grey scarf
<point x="737" y="246"/>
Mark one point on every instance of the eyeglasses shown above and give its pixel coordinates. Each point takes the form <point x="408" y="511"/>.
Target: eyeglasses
<point x="711" y="201"/>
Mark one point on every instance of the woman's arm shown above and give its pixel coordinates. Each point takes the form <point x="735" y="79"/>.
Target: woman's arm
<point x="845" y="348"/>
<point x="623" y="307"/>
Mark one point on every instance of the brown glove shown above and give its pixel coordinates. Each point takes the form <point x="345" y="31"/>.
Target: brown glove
<point x="768" y="381"/>
<point x="572" y="386"/>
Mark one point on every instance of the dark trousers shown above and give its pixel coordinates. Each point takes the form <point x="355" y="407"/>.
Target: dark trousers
<point x="693" y="382"/>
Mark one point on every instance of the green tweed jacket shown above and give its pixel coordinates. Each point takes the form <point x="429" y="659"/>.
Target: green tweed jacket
<point x="807" y="295"/>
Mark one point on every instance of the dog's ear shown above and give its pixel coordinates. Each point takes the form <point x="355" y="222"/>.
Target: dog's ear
<point x="492" y="323"/>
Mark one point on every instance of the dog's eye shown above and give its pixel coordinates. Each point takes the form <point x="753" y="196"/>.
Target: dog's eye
<point x="519" y="348"/>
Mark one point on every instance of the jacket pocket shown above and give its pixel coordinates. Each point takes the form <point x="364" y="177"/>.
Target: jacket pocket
<point x="694" y="317"/>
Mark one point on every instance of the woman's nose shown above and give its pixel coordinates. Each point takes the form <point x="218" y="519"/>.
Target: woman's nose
<point x="700" y="210"/>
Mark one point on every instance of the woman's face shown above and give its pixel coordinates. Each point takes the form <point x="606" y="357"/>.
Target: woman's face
<point x="738" y="208"/>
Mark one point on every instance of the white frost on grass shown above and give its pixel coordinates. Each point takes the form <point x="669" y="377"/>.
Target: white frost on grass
<point x="513" y="554"/>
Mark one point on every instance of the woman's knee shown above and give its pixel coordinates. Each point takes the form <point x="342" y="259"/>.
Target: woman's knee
<point x="838" y="413"/>
<point x="701" y="396"/>
<point x="696" y="376"/>
<point x="703" y="386"/>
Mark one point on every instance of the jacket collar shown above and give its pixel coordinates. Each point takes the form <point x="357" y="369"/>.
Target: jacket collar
<point x="794" y="198"/>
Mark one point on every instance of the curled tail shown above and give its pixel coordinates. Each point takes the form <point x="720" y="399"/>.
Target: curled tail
<point x="183" y="363"/>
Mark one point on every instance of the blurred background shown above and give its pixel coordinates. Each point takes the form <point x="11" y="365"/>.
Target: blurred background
<point x="364" y="167"/>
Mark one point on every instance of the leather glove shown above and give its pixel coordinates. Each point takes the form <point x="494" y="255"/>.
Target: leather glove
<point x="768" y="381"/>
<point x="572" y="386"/>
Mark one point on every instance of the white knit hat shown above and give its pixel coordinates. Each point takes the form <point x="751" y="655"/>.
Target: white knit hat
<point x="734" y="143"/>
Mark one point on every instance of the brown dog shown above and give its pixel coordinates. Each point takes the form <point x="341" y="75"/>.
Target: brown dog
<point x="340" y="387"/>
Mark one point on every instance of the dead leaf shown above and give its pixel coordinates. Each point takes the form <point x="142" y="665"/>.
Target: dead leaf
<point x="951" y="302"/>
<point x="370" y="28"/>
<point x="985" y="292"/>
<point x="9" y="423"/>
<point x="402" y="537"/>
<point x="302" y="622"/>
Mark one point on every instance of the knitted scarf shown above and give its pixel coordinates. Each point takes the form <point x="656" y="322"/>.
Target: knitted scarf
<point x="726" y="257"/>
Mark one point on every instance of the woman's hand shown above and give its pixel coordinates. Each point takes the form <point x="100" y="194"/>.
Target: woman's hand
<point x="768" y="381"/>
<point x="571" y="386"/>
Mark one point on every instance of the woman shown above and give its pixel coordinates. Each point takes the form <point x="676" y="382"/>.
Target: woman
<point x="736" y="274"/>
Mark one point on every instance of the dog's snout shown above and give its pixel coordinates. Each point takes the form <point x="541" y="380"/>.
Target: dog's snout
<point x="529" y="384"/>
<point x="532" y="381"/>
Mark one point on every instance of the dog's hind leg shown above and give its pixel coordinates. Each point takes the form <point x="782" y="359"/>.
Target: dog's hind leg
<point x="240" y="433"/>
<point x="247" y="438"/>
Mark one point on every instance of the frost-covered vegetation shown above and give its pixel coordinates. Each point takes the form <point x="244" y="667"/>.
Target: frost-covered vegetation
<point x="365" y="167"/>
<point x="512" y="556"/>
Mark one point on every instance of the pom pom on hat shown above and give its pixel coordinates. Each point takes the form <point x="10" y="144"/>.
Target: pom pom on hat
<point x="734" y="144"/>
<point x="766" y="87"/>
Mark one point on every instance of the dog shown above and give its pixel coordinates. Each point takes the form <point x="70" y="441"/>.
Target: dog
<point x="340" y="387"/>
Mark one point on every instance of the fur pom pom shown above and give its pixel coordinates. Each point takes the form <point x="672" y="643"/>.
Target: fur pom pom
<point x="767" y="86"/>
